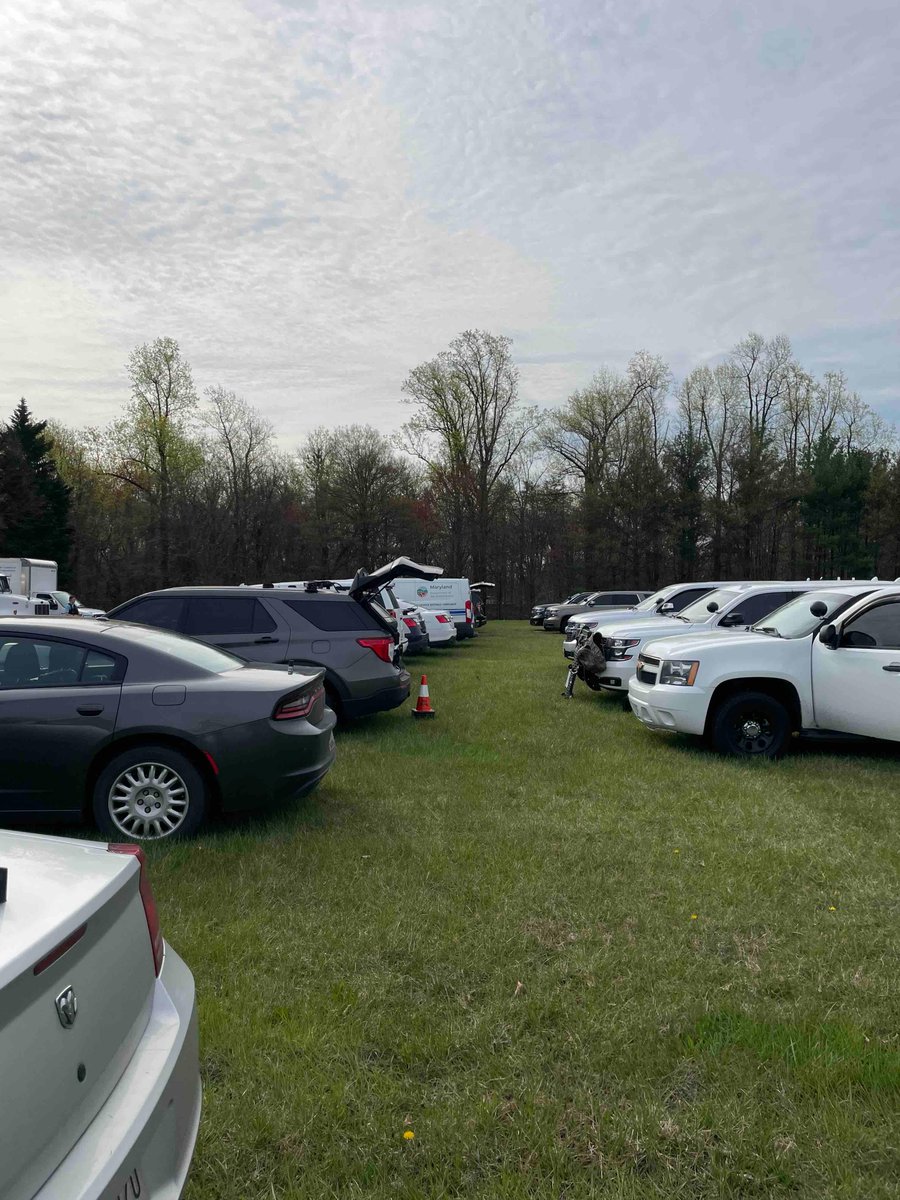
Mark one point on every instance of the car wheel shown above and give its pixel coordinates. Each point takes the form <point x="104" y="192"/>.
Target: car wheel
<point x="751" y="725"/>
<point x="150" y="793"/>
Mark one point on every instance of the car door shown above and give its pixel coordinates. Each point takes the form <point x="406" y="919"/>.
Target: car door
<point x="856" y="685"/>
<point x="58" y="705"/>
<point x="241" y="625"/>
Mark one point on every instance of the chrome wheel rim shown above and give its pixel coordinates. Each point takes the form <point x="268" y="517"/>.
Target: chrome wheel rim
<point x="148" y="801"/>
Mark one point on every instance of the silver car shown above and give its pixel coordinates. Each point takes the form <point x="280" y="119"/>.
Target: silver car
<point x="98" y="1028"/>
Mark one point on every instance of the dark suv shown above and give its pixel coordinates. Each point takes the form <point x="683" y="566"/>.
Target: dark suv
<point x="350" y="636"/>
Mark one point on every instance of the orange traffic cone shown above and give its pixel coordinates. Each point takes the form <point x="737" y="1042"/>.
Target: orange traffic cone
<point x="423" y="707"/>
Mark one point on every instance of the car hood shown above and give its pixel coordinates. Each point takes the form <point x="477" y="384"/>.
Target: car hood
<point x="604" y="616"/>
<point x="647" y="627"/>
<point x="365" y="582"/>
<point x="697" y="641"/>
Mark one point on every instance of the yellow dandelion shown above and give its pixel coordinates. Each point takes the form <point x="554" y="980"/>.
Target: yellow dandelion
<point x="831" y="908"/>
<point x="408" y="1135"/>
<point x="677" y="851"/>
<point x="693" y="916"/>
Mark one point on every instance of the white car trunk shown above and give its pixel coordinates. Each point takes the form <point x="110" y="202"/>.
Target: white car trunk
<point x="56" y="1076"/>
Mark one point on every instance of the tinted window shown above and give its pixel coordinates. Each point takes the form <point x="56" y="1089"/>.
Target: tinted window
<point x="28" y="662"/>
<point x="163" y="612"/>
<point x="186" y="650"/>
<point x="754" y="608"/>
<point x="682" y="599"/>
<point x="877" y="629"/>
<point x="208" y="615"/>
<point x="332" y="615"/>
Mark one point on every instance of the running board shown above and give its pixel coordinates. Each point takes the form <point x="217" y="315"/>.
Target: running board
<point x="831" y="735"/>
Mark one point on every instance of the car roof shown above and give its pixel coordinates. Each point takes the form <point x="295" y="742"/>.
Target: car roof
<point x="241" y="589"/>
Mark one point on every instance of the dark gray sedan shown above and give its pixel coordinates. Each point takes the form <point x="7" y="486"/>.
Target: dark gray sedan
<point x="149" y="731"/>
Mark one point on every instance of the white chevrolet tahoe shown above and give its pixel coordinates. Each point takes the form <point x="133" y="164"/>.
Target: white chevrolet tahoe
<point x="733" y="607"/>
<point x="826" y="663"/>
<point x="666" y="601"/>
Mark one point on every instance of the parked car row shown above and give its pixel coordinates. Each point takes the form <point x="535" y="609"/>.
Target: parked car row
<point x="747" y="666"/>
<point x="185" y="700"/>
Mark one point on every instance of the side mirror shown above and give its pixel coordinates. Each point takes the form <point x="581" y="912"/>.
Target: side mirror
<point x="819" y="608"/>
<point x="712" y="606"/>
<point x="732" y="618"/>
<point x="828" y="636"/>
<point x="667" y="606"/>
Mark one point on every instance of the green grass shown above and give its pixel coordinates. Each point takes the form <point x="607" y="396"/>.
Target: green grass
<point x="575" y="958"/>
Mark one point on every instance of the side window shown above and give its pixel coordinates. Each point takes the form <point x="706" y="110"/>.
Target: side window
<point x="102" y="668"/>
<point x="682" y="599"/>
<point x="333" y="615"/>
<point x="210" y="615"/>
<point x="163" y="612"/>
<point x="754" y="608"/>
<point x="27" y="662"/>
<point x="876" y="629"/>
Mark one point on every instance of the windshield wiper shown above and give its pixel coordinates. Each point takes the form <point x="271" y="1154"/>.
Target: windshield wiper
<point x="766" y="629"/>
<point x="679" y="617"/>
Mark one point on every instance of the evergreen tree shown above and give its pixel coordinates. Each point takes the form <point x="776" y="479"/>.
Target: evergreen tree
<point x="35" y="501"/>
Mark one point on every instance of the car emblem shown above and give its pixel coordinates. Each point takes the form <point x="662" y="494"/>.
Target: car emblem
<point x="67" y="1007"/>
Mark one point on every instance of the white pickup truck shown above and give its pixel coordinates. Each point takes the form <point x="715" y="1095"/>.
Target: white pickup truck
<point x="826" y="663"/>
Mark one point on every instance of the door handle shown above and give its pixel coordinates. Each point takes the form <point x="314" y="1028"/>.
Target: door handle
<point x="265" y="641"/>
<point x="892" y="667"/>
<point x="90" y="710"/>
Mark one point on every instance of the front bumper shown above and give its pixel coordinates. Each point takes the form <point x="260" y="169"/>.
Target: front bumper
<point x="142" y="1140"/>
<point x="668" y="709"/>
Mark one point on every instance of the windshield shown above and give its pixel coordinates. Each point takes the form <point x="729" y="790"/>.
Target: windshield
<point x="186" y="650"/>
<point x="61" y="598"/>
<point x="578" y="598"/>
<point x="698" y="611"/>
<point x="794" y="620"/>
<point x="649" y="605"/>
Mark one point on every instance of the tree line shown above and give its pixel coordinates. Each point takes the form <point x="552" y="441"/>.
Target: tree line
<point x="750" y="468"/>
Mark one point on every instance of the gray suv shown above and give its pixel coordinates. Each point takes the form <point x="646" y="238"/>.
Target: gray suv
<point x="348" y="635"/>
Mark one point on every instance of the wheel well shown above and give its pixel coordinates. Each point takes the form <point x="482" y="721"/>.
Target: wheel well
<point x="108" y="753"/>
<point x="779" y="689"/>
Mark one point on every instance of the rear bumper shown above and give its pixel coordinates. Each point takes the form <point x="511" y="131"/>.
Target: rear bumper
<point x="270" y="762"/>
<point x="380" y="701"/>
<point x="142" y="1140"/>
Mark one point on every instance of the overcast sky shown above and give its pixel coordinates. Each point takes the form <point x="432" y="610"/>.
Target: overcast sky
<point x="312" y="196"/>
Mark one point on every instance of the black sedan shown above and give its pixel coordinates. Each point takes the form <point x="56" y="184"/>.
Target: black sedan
<point x="149" y="731"/>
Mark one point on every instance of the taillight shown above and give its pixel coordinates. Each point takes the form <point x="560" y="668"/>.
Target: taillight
<point x="468" y="612"/>
<point x="410" y="623"/>
<point x="442" y="619"/>
<point x="156" y="938"/>
<point x="300" y="704"/>
<point x="382" y="646"/>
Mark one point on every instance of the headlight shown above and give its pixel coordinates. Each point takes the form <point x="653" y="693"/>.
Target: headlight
<point x="619" y="647"/>
<point x="679" y="671"/>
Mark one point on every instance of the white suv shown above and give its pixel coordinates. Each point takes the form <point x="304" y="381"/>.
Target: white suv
<point x="828" y="662"/>
<point x="665" y="602"/>
<point x="737" y="606"/>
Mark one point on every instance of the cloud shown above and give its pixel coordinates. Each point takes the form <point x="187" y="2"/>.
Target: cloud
<point x="313" y="197"/>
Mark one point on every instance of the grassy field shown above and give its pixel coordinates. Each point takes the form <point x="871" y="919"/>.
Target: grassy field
<point x="570" y="957"/>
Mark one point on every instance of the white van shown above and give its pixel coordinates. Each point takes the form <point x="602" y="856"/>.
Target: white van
<point x="451" y="595"/>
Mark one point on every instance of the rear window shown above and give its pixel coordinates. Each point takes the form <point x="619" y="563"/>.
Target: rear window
<point x="334" y="616"/>
<point x="186" y="650"/>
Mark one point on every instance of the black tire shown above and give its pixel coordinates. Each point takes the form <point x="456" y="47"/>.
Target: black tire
<point x="175" y="793"/>
<point x="750" y="725"/>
